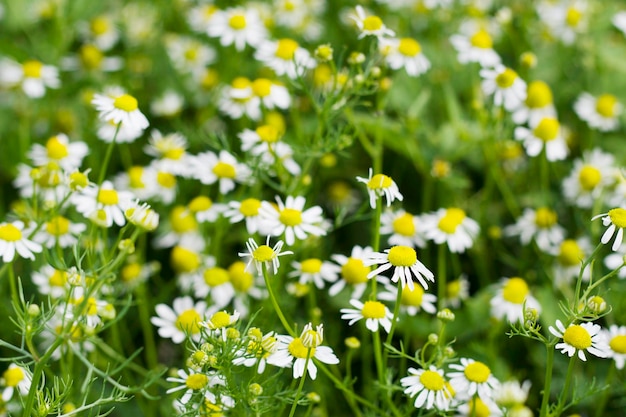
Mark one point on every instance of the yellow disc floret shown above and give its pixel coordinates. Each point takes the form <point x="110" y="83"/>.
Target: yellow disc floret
<point x="409" y="47"/>
<point x="451" y="220"/>
<point x="189" y="321"/>
<point x="404" y="225"/>
<point x="547" y="129"/>
<point x="481" y="39"/>
<point x="545" y="218"/>
<point x="515" y="290"/>
<point x="618" y="217"/>
<point x="10" y="233"/>
<point x="477" y="372"/>
<point x="506" y="78"/>
<point x="606" y="105"/>
<point x="432" y="381"/>
<point x="197" y="381"/>
<point x="577" y="336"/>
<point x="126" y="102"/>
<point x="402" y="256"/>
<point x="286" y="49"/>
<point x="373" y="310"/>
<point x="290" y="217"/>
<point x="618" y="344"/>
<point x="354" y="272"/>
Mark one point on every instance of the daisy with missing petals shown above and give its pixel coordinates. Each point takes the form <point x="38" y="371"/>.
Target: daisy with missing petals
<point x="615" y="219"/>
<point x="290" y="218"/>
<point x="180" y="321"/>
<point x="13" y="239"/>
<point x="375" y="314"/>
<point x="472" y="377"/>
<point x="580" y="337"/>
<point x="119" y="107"/>
<point x="219" y="322"/>
<point x="429" y="388"/>
<point x="476" y="47"/>
<point x="600" y="112"/>
<point x="505" y="85"/>
<point x="301" y="351"/>
<point x="404" y="53"/>
<point x="285" y="56"/>
<point x="316" y="271"/>
<point x="589" y="178"/>
<point x="15" y="378"/>
<point x="379" y="185"/>
<point x="210" y="168"/>
<point x="405" y="229"/>
<point x="453" y="227"/>
<point x="512" y="296"/>
<point x="264" y="254"/>
<point x="615" y="337"/>
<point x="405" y="263"/>
<point x="370" y="25"/>
<point x="540" y="225"/>
<point x="260" y="346"/>
<point x="238" y="27"/>
<point x="411" y="300"/>
<point x="546" y="134"/>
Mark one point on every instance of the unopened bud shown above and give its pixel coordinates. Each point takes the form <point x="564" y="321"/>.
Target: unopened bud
<point x="445" y="315"/>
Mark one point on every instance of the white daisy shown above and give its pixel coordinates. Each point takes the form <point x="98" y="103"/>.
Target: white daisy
<point x="565" y="20"/>
<point x="142" y="215"/>
<point x="59" y="230"/>
<point x="247" y="209"/>
<point x="238" y="27"/>
<point x="619" y="21"/>
<point x="170" y="103"/>
<point x="193" y="382"/>
<point x="15" y="378"/>
<point x="119" y="107"/>
<point x="180" y="321"/>
<point x="59" y="150"/>
<point x="477" y="406"/>
<point x="600" y="112"/>
<point x="214" y="281"/>
<point x="379" y="185"/>
<point x="615" y="219"/>
<point x="429" y="388"/>
<point x="291" y="219"/>
<point x="210" y="168"/>
<point x="122" y="133"/>
<point x="476" y="47"/>
<point x="590" y="177"/>
<point x="580" y="338"/>
<point x="453" y="227"/>
<point x="316" y="271"/>
<point x="188" y="55"/>
<point x="259" y="347"/>
<point x="512" y="295"/>
<point x="13" y="239"/>
<point x="540" y="225"/>
<point x="285" y="56"/>
<point x="90" y="58"/>
<point x="375" y="314"/>
<point x="51" y="281"/>
<point x="539" y="103"/>
<point x="569" y="256"/>
<point x="404" y="53"/>
<point x="403" y="260"/>
<point x="370" y="25"/>
<point x="405" y="228"/>
<point x="615" y="337"/>
<point x="32" y="76"/>
<point x="505" y="85"/>
<point x="264" y="254"/>
<point x="237" y="100"/>
<point x="102" y="31"/>
<point x="354" y="272"/>
<point x="181" y="229"/>
<point x="412" y="300"/>
<point x="103" y="204"/>
<point x="548" y="135"/>
<point x="205" y="210"/>
<point x="170" y="152"/>
<point x="472" y="377"/>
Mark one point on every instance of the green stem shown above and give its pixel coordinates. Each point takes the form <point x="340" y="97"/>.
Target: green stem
<point x="39" y="368"/>
<point x="279" y="312"/>
<point x="607" y="391"/>
<point x="441" y="276"/>
<point x="107" y="156"/>
<point x="568" y="381"/>
<point x="146" y="326"/>
<point x="547" y="381"/>
<point x="301" y="384"/>
<point x="14" y="294"/>
<point x="378" y="357"/>
<point x="376" y="240"/>
<point x="396" y="315"/>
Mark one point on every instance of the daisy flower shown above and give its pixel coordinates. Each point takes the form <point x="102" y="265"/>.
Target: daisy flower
<point x="238" y="100"/>
<point x="285" y="56"/>
<point x="565" y="20"/>
<point x="451" y="226"/>
<point x="370" y="25"/>
<point x="181" y="228"/>
<point x="180" y="321"/>
<point x="580" y="338"/>
<point x="59" y="230"/>
<point x="403" y="260"/>
<point x="51" y="281"/>
<point x="548" y="135"/>
<point x="247" y="209"/>
<point x="102" y="31"/>
<point x="90" y="58"/>
<point x="264" y="254"/>
<point x="615" y="219"/>
<point x="260" y="346"/>
<point x="473" y="377"/>
<point x="290" y="218"/>
<point x="205" y="210"/>
<point x="142" y="215"/>
<point x="238" y="27"/>
<point x="476" y="406"/>
<point x="506" y="87"/>
<point x="210" y="168"/>
<point x="13" y="239"/>
<point x="316" y="271"/>
<point x="539" y="104"/>
<point x="411" y="300"/>
<point x="615" y="337"/>
<point x="191" y="381"/>
<point x="247" y="286"/>
<point x="457" y="291"/>
<point x="214" y="281"/>
<point x="170" y="103"/>
<point x="32" y="76"/>
<point x="353" y="272"/>
<point x="374" y="313"/>
<point x="570" y="255"/>
<point x="59" y="150"/>
<point x="300" y="351"/>
<point x="379" y="185"/>
<point x="170" y="152"/>
<point x="199" y="16"/>
<point x="15" y="378"/>
<point x="589" y="178"/>
<point x="600" y="112"/>
<point x="540" y="225"/>
<point x="512" y="295"/>
<point x="103" y="204"/>
<point x="429" y="388"/>
<point x="188" y="55"/>
<point x="404" y="53"/>
<point x="476" y="47"/>
<point x="405" y="229"/>
<point x="119" y="107"/>
<point x="219" y="322"/>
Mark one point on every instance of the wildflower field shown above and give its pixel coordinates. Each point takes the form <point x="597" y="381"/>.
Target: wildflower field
<point x="312" y="208"/>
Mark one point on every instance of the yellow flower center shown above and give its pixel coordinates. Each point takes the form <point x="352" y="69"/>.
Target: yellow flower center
<point x="174" y="153"/>
<point x="573" y="16"/>
<point x="241" y="83"/>
<point x="481" y="39"/>
<point x="403" y="225"/>
<point x="191" y="54"/>
<point x="32" y="69"/>
<point x="224" y="170"/>
<point x="215" y="276"/>
<point x="57" y="279"/>
<point x="354" y="272"/>
<point x="379" y="181"/>
<point x="237" y="22"/>
<point x="286" y="49"/>
<point x="451" y="220"/>
<point x="239" y="277"/>
<point x="298" y="350"/>
<point x="130" y="272"/>
<point x="220" y="319"/>
<point x="606" y="105"/>
<point x="618" y="217"/>
<point x="570" y="253"/>
<point x="200" y="203"/>
<point x="515" y="290"/>
<point x="545" y="218"/>
<point x="506" y="78"/>
<point x="539" y="95"/>
<point x="402" y="256"/>
<point x="56" y="149"/>
<point x="107" y="197"/>
<point x="261" y="87"/>
<point x="13" y="376"/>
<point x="409" y="47"/>
<point x="99" y="26"/>
<point x="432" y="381"/>
<point x="196" y="381"/>
<point x="547" y="129"/>
<point x="135" y="177"/>
<point x="477" y="372"/>
<point x="618" y="344"/>
<point x="588" y="177"/>
<point x="10" y="233"/>
<point x="91" y="56"/>
<point x="268" y="133"/>
<point x="372" y="23"/>
<point x="184" y="260"/>
<point x="189" y="321"/>
<point x="577" y="336"/>
<point x="453" y="289"/>
<point x="250" y="207"/>
<point x="477" y="408"/>
<point x="263" y="254"/>
<point x="125" y="102"/>
<point x="290" y="217"/>
<point x="311" y="266"/>
<point x="412" y="297"/>
<point x="182" y="220"/>
<point x="373" y="310"/>
<point x="58" y="226"/>
<point x="166" y="180"/>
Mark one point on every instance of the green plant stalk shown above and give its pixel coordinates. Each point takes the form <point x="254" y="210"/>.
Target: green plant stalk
<point x="376" y="240"/>
<point x="601" y="405"/>
<point x="568" y="381"/>
<point x="441" y="276"/>
<point x="380" y="369"/>
<point x="39" y="368"/>
<point x="277" y="308"/>
<point x="107" y="156"/>
<point x="146" y="326"/>
<point x="14" y="295"/>
<point x="301" y="384"/>
<point x="547" y="381"/>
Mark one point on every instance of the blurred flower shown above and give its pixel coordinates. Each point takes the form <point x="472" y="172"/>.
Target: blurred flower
<point x="180" y="321"/>
<point x="215" y="282"/>
<point x="473" y="377"/>
<point x="512" y="297"/>
<point x="59" y="230"/>
<point x="370" y="25"/>
<point x="59" y="150"/>
<point x="451" y="226"/>
<point x="570" y="255"/>
<point x="15" y="378"/>
<point x="32" y="76"/>
<point x="457" y="291"/>
<point x="13" y="238"/>
<point x="168" y="104"/>
<point x="316" y="271"/>
<point x="580" y="338"/>
<point x="590" y="177"/>
<point x="354" y="271"/>
<point x="476" y="47"/>
<point x="210" y="168"/>
<point x="404" y="53"/>
<point x="539" y="104"/>
<point x="506" y="87"/>
<point x="539" y="225"/>
<point x="429" y="388"/>
<point x="259" y="348"/>
<point x="117" y="106"/>
<point x="405" y="229"/>
<point x="101" y="30"/>
<point x="619" y="21"/>
<point x="238" y="27"/>
<point x="51" y="281"/>
<point x="374" y="313"/>
<point x="379" y="185"/>
<point x="600" y="112"/>
<point x="412" y="300"/>
<point x="291" y="219"/>
<point x="564" y="19"/>
<point x="170" y="152"/>
<point x="285" y="56"/>
<point x="546" y="135"/>
<point x="103" y="203"/>
<point x="615" y="337"/>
